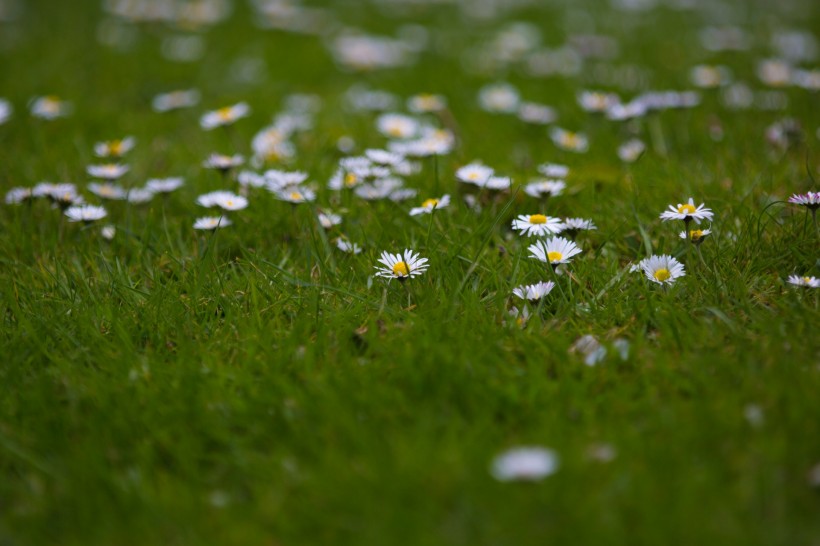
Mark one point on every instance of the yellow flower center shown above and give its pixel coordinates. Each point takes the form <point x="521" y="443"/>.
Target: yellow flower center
<point x="538" y="219"/>
<point x="224" y="113"/>
<point x="115" y="147"/>
<point x="430" y="203"/>
<point x="401" y="269"/>
<point x="569" y="140"/>
<point x="473" y="176"/>
<point x="350" y="179"/>
<point x="554" y="256"/>
<point x="806" y="280"/>
<point x="229" y="202"/>
<point x="686" y="209"/>
<point x="295" y="195"/>
<point x="662" y="275"/>
<point x="395" y="130"/>
<point x="696" y="234"/>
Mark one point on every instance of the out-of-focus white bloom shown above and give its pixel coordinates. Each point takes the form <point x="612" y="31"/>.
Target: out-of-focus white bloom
<point x="164" y="185"/>
<point x="568" y="140"/>
<point x="631" y="150"/>
<point x="165" y="102"/>
<point x="397" y="126"/>
<point x="222" y="199"/>
<point x="223" y="162"/>
<point x="553" y="170"/>
<point x="500" y="98"/>
<point x="211" y="223"/>
<point x="430" y="205"/>
<point x="224" y="116"/>
<point x="545" y="188"/>
<point x="108" y="191"/>
<point x="419" y="104"/>
<point x="537" y="114"/>
<point x="328" y="219"/>
<point x="597" y="101"/>
<point x="474" y="173"/>
<point x="534" y="292"/>
<point x="85" y="213"/>
<point x="5" y="111"/>
<point x="805" y="281"/>
<point x="108" y="232"/>
<point x="114" y="148"/>
<point x="524" y="464"/>
<point x="707" y="77"/>
<point x="49" y="107"/>
<point x="109" y="171"/>
<point x="346" y="246"/>
<point x="589" y="348"/>
<point x="774" y="72"/>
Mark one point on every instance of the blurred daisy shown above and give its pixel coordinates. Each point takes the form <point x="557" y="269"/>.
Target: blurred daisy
<point x="499" y="98"/>
<point x="109" y="171"/>
<point x="553" y="170"/>
<point x="695" y="235"/>
<point x="573" y="225"/>
<point x="5" y="111"/>
<point x="401" y="266"/>
<point x="554" y="251"/>
<point x="49" y="107"/>
<point x="524" y="464"/>
<point x="537" y="225"/>
<point x="397" y="126"/>
<point x="222" y="199"/>
<point x="108" y="191"/>
<point x="296" y="194"/>
<point x="537" y="114"/>
<point x="569" y="141"/>
<point x="534" y="292"/>
<point x="211" y="222"/>
<point x="810" y="200"/>
<point x="474" y="173"/>
<point x="346" y="246"/>
<point x="687" y="212"/>
<point x="108" y="232"/>
<point x="139" y="195"/>
<point x="224" y="116"/>
<point x="383" y="157"/>
<point x="420" y="104"/>
<point x="328" y="219"/>
<point x="596" y="101"/>
<point x="708" y="77"/>
<point x="164" y="185"/>
<point x="662" y="269"/>
<point x="276" y="180"/>
<point x="62" y="195"/>
<point x="498" y="183"/>
<point x="631" y="150"/>
<point x="223" y="163"/>
<point x="165" y="102"/>
<point x="85" y="213"/>
<point x="114" y="148"/>
<point x="430" y="205"/>
<point x="15" y="196"/>
<point x="519" y="316"/>
<point x="545" y="188"/>
<point x="806" y="282"/>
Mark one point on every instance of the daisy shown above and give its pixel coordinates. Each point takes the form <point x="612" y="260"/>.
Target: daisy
<point x="397" y="126"/>
<point x="222" y="199"/>
<point x="108" y="232"/>
<point x="108" y="191"/>
<point x="498" y="183"/>
<point x="573" y="225"/>
<point x="383" y="157"/>
<point x="569" y="141"/>
<point x="631" y="150"/>
<point x="537" y="225"/>
<point x="296" y="194"/>
<point x="164" y="185"/>
<point x="424" y="103"/>
<point x="346" y="246"/>
<point x="695" y="235"/>
<point x="276" y="180"/>
<point x="521" y="317"/>
<point x="662" y="269"/>
<point x="687" y="212"/>
<point x="5" y="111"/>
<point x="114" y="148"/>
<point x="223" y="163"/>
<point x="807" y="282"/>
<point x="810" y="200"/>
<point x="596" y="101"/>
<point x="553" y="170"/>
<point x="474" y="173"/>
<point x="537" y="114"/>
<point x="534" y="292"/>
<point x="165" y="102"/>
<point x="554" y="251"/>
<point x="139" y="195"/>
<point x="211" y="222"/>
<point x="499" y="98"/>
<point x="328" y="219"/>
<point x="85" y="213"/>
<point x="15" y="196"/>
<point x="49" y="107"/>
<point x="401" y="266"/>
<point x="430" y="205"/>
<point x="63" y="195"/>
<point x="109" y="171"/>
<point x="545" y="188"/>
<point x="524" y="464"/>
<point x="224" y="116"/>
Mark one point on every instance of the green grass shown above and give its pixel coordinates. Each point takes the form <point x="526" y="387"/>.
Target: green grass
<point x="256" y="386"/>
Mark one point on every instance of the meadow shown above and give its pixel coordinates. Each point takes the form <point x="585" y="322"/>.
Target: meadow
<point x="240" y="368"/>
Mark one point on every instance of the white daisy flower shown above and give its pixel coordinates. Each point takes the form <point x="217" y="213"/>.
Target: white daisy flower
<point x="383" y="157"/>
<point x="578" y="224"/>
<point x="108" y="191"/>
<point x="62" y="194"/>
<point x="687" y="212"/>
<point x="474" y="173"/>
<point x="631" y="150"/>
<point x="139" y="195"/>
<point x="114" y="148"/>
<point x="222" y="199"/>
<point x="432" y="142"/>
<point x="810" y="200"/>
<point x="499" y="98"/>
<point x="695" y="235"/>
<point x="597" y="101"/>
<point x="662" y="269"/>
<point x="5" y="111"/>
<point x="296" y="194"/>
<point x="165" y="102"/>
<point x="109" y="171"/>
<point x="108" y="232"/>
<point x="553" y="170"/>
<point x="554" y="251"/>
<point x="525" y="464"/>
<point x="49" y="107"/>
<point x="425" y="102"/>
<point x="397" y="126"/>
<point x="537" y="225"/>
<point x="520" y="316"/>
<point x="807" y="282"/>
<point x="164" y="185"/>
<point x="211" y="222"/>
<point x="224" y="116"/>
<point x="431" y="204"/>
<point x="346" y="246"/>
<point x="537" y="114"/>
<point x="223" y="162"/>
<point x="276" y="180"/>
<point x="401" y="266"/>
<point x="328" y="219"/>
<point x="85" y="213"/>
<point x="568" y="140"/>
<point x="15" y="196"/>
<point x="545" y="188"/>
<point x="534" y="292"/>
<point x="498" y="183"/>
<point x="707" y="77"/>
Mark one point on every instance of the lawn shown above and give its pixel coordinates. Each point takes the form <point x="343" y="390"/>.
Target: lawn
<point x="257" y="384"/>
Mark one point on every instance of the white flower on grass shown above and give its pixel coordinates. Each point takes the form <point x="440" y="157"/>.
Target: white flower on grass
<point x="810" y="200"/>
<point x="401" y="266"/>
<point x="534" y="292"/>
<point x="346" y="246"/>
<point x="498" y="183"/>
<point x="525" y="464"/>
<point x="108" y="232"/>
<point x="423" y="103"/>
<point x="328" y="219"/>
<point x="474" y="173"/>
<point x="568" y="140"/>
<point x="590" y="348"/>
<point x="537" y="225"/>
<point x="62" y="194"/>
<point x="545" y="188"/>
<point x="631" y="150"/>
<point x="165" y="102"/>
<point x="5" y="111"/>
<point x="398" y="126"/>
<point x="296" y="194"/>
<point x="211" y="222"/>
<point x="108" y="191"/>
<point x="49" y="107"/>
<point x="553" y="170"/>
<point x="276" y="180"/>
<point x="663" y="269"/>
<point x="223" y="163"/>
<point x="597" y="101"/>
<point x="687" y="212"/>
<point x="223" y="199"/>
<point x="554" y="251"/>
<point x="224" y="116"/>
<point x="806" y="282"/>
<point x="519" y="316"/>
<point x="109" y="171"/>
<point x="537" y="114"/>
<point x="15" y="196"/>
<point x="164" y="185"/>
<point x="114" y="148"/>
<point x="429" y="205"/>
<point x="383" y="157"/>
<point x="85" y="213"/>
<point x="707" y="77"/>
<point x="139" y="195"/>
<point x="695" y="235"/>
<point x="499" y="97"/>
<point x="432" y="142"/>
<point x="574" y="225"/>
